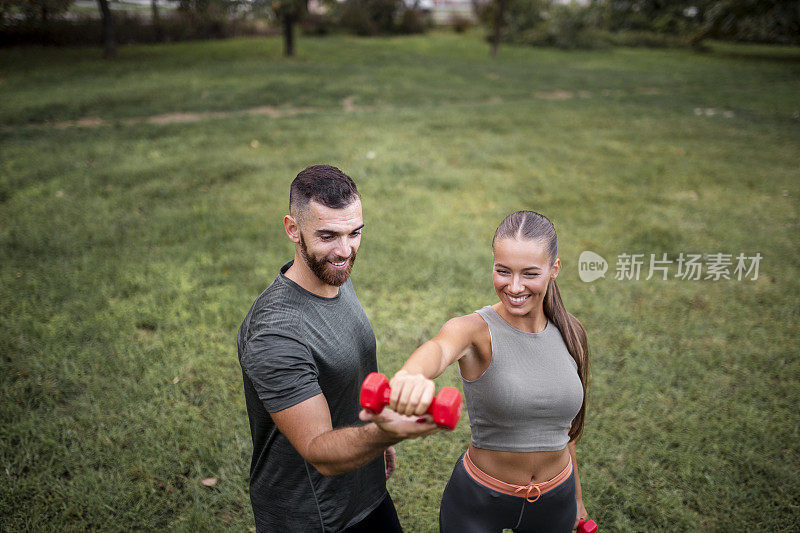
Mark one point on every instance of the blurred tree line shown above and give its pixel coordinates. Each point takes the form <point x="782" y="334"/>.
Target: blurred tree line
<point x="52" y="21"/>
<point x="638" y="22"/>
<point x="588" y="24"/>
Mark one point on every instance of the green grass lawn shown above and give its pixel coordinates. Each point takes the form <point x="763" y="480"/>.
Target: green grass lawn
<point x="130" y="252"/>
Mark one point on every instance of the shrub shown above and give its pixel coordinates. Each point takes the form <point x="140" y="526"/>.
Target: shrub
<point x="380" y="17"/>
<point x="573" y="26"/>
<point x="317" y="24"/>
<point x="643" y="38"/>
<point x="562" y="26"/>
<point x="356" y="20"/>
<point x="369" y="17"/>
<point x="414" y="21"/>
<point x="459" y="23"/>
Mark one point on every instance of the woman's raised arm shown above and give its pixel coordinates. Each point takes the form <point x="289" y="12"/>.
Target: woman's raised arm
<point x="412" y="386"/>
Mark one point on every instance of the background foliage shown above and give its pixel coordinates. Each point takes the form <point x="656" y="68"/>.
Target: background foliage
<point x="533" y="22"/>
<point x="643" y="22"/>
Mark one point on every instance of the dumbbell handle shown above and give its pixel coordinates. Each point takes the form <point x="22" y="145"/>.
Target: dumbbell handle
<point x="587" y="526"/>
<point x="445" y="407"/>
<point x="387" y="394"/>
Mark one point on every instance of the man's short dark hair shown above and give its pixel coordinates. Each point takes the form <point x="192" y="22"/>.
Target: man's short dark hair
<point x="323" y="184"/>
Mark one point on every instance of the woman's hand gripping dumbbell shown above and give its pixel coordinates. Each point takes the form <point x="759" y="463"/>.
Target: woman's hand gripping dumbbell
<point x="445" y="407"/>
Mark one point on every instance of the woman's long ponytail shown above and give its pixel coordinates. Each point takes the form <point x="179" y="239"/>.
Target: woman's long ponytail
<point x="575" y="338"/>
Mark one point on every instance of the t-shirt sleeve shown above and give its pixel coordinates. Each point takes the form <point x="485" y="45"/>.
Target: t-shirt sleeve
<point x="282" y="370"/>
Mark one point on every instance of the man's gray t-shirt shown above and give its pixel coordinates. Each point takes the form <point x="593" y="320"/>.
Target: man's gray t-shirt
<point x="292" y="346"/>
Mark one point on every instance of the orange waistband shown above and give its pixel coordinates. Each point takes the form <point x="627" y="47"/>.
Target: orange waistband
<point x="515" y="490"/>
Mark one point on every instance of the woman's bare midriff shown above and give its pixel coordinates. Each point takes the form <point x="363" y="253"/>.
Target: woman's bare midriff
<point x="520" y="468"/>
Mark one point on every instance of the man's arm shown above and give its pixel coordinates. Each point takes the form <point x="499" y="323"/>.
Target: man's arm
<point x="308" y="427"/>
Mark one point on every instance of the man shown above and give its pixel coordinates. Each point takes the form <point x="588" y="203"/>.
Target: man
<point x="305" y="347"/>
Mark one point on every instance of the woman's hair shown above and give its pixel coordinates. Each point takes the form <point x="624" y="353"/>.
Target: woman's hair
<point x="531" y="226"/>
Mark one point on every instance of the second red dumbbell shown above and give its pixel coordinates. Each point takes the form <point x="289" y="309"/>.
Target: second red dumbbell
<point x="445" y="407"/>
<point x="587" y="526"/>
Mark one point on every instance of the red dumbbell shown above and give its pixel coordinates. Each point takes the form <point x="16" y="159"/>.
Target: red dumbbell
<point x="445" y="407"/>
<point x="587" y="526"/>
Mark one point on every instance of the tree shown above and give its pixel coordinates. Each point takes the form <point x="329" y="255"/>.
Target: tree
<point x="158" y="32"/>
<point x="499" y="14"/>
<point x="109" y="42"/>
<point x="289" y="13"/>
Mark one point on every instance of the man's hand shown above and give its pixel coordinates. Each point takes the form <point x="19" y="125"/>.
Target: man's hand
<point x="412" y="394"/>
<point x="399" y="426"/>
<point x="390" y="460"/>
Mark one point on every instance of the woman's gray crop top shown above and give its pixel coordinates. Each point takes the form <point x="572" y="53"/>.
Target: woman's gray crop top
<point x="526" y="399"/>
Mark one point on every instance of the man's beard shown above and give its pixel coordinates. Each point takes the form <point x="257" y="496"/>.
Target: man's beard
<point x="323" y="270"/>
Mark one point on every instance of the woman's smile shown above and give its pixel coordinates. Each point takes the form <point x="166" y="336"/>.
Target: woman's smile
<point x="518" y="300"/>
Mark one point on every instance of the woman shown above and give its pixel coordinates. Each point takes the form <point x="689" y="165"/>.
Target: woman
<point x="524" y="363"/>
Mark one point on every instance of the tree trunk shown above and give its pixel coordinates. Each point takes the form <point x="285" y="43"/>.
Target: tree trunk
<point x="288" y="35"/>
<point x="157" y="31"/>
<point x="500" y="12"/>
<point x="109" y="43"/>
